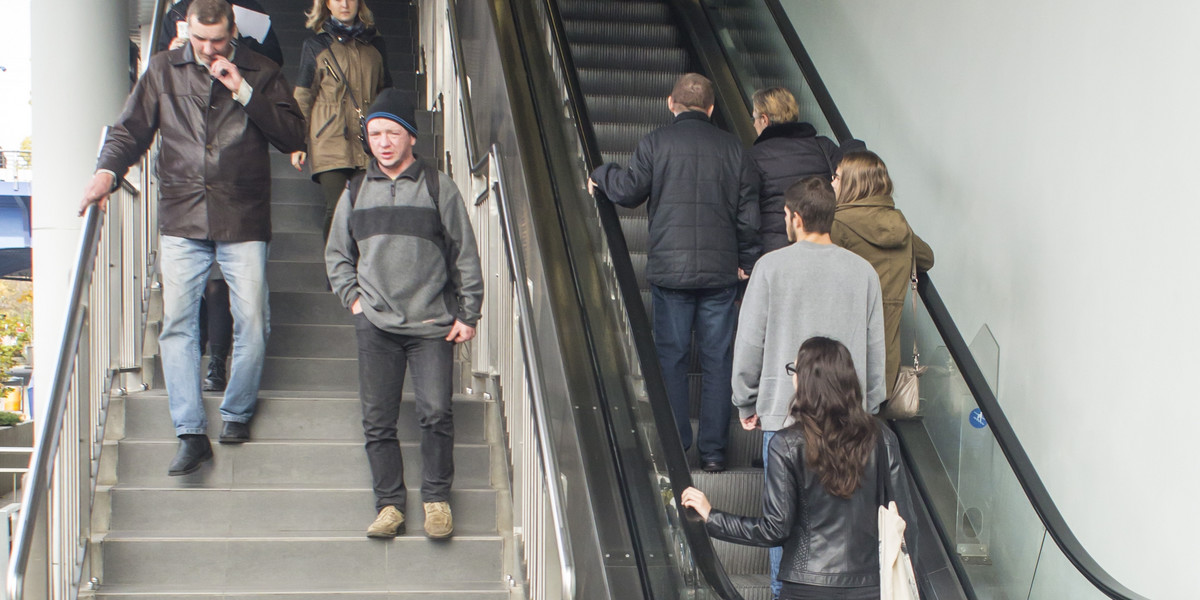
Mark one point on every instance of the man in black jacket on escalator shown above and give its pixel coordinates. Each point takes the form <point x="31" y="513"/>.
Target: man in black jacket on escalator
<point x="703" y="214"/>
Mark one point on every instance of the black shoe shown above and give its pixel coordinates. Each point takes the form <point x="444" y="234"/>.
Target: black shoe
<point x="194" y="450"/>
<point x="713" y="466"/>
<point x="235" y="433"/>
<point x="215" y="380"/>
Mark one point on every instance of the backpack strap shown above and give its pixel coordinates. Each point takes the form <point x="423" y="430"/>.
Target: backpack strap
<point x="355" y="185"/>
<point x="433" y="183"/>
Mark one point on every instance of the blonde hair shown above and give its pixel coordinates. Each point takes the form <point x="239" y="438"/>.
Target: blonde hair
<point x="863" y="175"/>
<point x="778" y="104"/>
<point x="319" y="13"/>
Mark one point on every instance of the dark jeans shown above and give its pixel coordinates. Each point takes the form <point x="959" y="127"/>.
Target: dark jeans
<point x="383" y="359"/>
<point x="796" y="591"/>
<point x="333" y="183"/>
<point x="711" y="314"/>
<point x="216" y="320"/>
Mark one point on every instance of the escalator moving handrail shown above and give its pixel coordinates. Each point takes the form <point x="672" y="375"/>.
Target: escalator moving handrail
<point x="532" y="371"/>
<point x="1011" y="446"/>
<point x="639" y="321"/>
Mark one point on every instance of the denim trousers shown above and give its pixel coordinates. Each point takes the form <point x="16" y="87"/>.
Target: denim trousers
<point x="383" y="359"/>
<point x="185" y="265"/>
<point x="774" y="554"/>
<point x="711" y="315"/>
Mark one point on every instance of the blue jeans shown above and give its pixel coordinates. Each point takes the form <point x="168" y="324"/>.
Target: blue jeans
<point x="710" y="313"/>
<point x="185" y="265"/>
<point x="774" y="554"/>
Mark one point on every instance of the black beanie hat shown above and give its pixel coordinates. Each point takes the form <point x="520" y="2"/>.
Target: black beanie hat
<point x="394" y="104"/>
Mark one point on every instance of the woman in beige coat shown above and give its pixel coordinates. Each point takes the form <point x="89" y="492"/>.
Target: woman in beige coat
<point x="342" y="69"/>
<point x="868" y="224"/>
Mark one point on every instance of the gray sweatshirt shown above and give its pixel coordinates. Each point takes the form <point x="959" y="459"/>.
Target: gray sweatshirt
<point x="797" y="292"/>
<point x="411" y="261"/>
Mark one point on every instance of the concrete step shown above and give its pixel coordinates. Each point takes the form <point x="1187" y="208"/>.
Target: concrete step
<point x="282" y="169"/>
<point x="289" y="276"/>
<point x="253" y="511"/>
<point x="290" y="419"/>
<point x="281" y="463"/>
<point x="308" y="308"/>
<point x="294" y="190"/>
<point x="302" y="563"/>
<point x="297" y="218"/>
<point x="296" y="246"/>
<point x="313" y="341"/>
<point x="311" y="374"/>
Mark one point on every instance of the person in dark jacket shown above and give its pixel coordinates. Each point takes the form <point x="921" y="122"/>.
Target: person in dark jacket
<point x="168" y="40"/>
<point x="214" y="204"/>
<point x="342" y="68"/>
<point x="703" y="238"/>
<point x="785" y="152"/>
<point x="868" y="224"/>
<point x="823" y="485"/>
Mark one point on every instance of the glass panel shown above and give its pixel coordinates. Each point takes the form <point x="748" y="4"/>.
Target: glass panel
<point x="1057" y="578"/>
<point x="759" y="55"/>
<point x="974" y="493"/>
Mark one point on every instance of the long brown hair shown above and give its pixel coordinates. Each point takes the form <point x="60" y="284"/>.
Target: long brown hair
<point x="839" y="435"/>
<point x="319" y="13"/>
<point x="863" y="175"/>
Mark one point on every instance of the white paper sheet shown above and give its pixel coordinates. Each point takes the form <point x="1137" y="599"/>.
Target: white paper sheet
<point x="251" y="23"/>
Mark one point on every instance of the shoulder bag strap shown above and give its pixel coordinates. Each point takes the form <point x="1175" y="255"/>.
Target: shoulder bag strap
<point x="346" y="82"/>
<point x="912" y="283"/>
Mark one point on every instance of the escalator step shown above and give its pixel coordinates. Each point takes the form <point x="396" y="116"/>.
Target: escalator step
<point x="656" y="84"/>
<point x="621" y="158"/>
<point x="625" y="109"/>
<point x="637" y="233"/>
<point x="628" y="34"/>
<point x="635" y="12"/>
<point x="620" y="136"/>
<point x="609" y="56"/>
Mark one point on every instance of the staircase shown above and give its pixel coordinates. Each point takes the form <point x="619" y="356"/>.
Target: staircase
<point x="284" y="516"/>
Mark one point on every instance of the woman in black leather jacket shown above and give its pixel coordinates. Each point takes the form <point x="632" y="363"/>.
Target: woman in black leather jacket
<point x="821" y="499"/>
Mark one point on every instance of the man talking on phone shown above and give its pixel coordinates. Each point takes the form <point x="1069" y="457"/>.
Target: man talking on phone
<point x="217" y="108"/>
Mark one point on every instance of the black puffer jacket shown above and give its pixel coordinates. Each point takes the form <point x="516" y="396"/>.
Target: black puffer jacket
<point x="827" y="540"/>
<point x="703" y="207"/>
<point x="782" y="155"/>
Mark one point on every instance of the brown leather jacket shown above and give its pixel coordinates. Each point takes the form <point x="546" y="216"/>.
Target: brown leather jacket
<point x="213" y="166"/>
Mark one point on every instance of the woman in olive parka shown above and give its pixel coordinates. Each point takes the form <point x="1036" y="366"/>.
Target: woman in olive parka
<point x="868" y="224"/>
<point x="342" y="68"/>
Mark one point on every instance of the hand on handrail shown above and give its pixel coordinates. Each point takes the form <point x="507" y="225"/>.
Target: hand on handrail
<point x="97" y="191"/>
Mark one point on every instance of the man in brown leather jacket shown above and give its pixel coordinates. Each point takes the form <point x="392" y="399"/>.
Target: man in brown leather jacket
<point x="217" y="107"/>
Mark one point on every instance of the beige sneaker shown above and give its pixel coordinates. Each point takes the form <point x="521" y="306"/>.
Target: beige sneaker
<point x="438" y="522"/>
<point x="389" y="524"/>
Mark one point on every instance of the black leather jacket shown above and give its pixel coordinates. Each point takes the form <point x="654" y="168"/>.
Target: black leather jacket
<point x="827" y="541"/>
<point x="703" y="210"/>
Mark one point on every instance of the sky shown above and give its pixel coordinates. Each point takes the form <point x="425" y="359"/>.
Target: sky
<point x="15" y="80"/>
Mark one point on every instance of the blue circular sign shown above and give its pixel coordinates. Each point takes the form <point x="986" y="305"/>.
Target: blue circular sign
<point x="978" y="421"/>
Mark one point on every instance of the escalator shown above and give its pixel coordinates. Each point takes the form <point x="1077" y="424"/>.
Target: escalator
<point x="586" y="80"/>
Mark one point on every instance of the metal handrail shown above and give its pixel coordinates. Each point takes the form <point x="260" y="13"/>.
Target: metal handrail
<point x="37" y="482"/>
<point x="464" y="92"/>
<point x="533" y="372"/>
<point x="1006" y="437"/>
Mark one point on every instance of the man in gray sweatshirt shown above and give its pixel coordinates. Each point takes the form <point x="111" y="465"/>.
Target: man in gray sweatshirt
<point x="401" y="256"/>
<point x="810" y="288"/>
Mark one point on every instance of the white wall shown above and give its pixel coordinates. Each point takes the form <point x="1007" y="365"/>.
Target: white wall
<point x="1048" y="152"/>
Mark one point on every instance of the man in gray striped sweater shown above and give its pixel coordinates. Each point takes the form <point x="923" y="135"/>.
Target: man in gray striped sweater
<point x="401" y="256"/>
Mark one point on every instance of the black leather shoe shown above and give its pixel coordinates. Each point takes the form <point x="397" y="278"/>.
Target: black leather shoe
<point x="193" y="451"/>
<point x="713" y="466"/>
<point x="214" y="381"/>
<point x="235" y="433"/>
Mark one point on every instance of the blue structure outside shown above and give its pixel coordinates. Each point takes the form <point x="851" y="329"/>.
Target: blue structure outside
<point x="15" y="229"/>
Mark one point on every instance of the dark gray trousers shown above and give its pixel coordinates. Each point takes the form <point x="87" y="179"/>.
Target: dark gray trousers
<point x="383" y="359"/>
